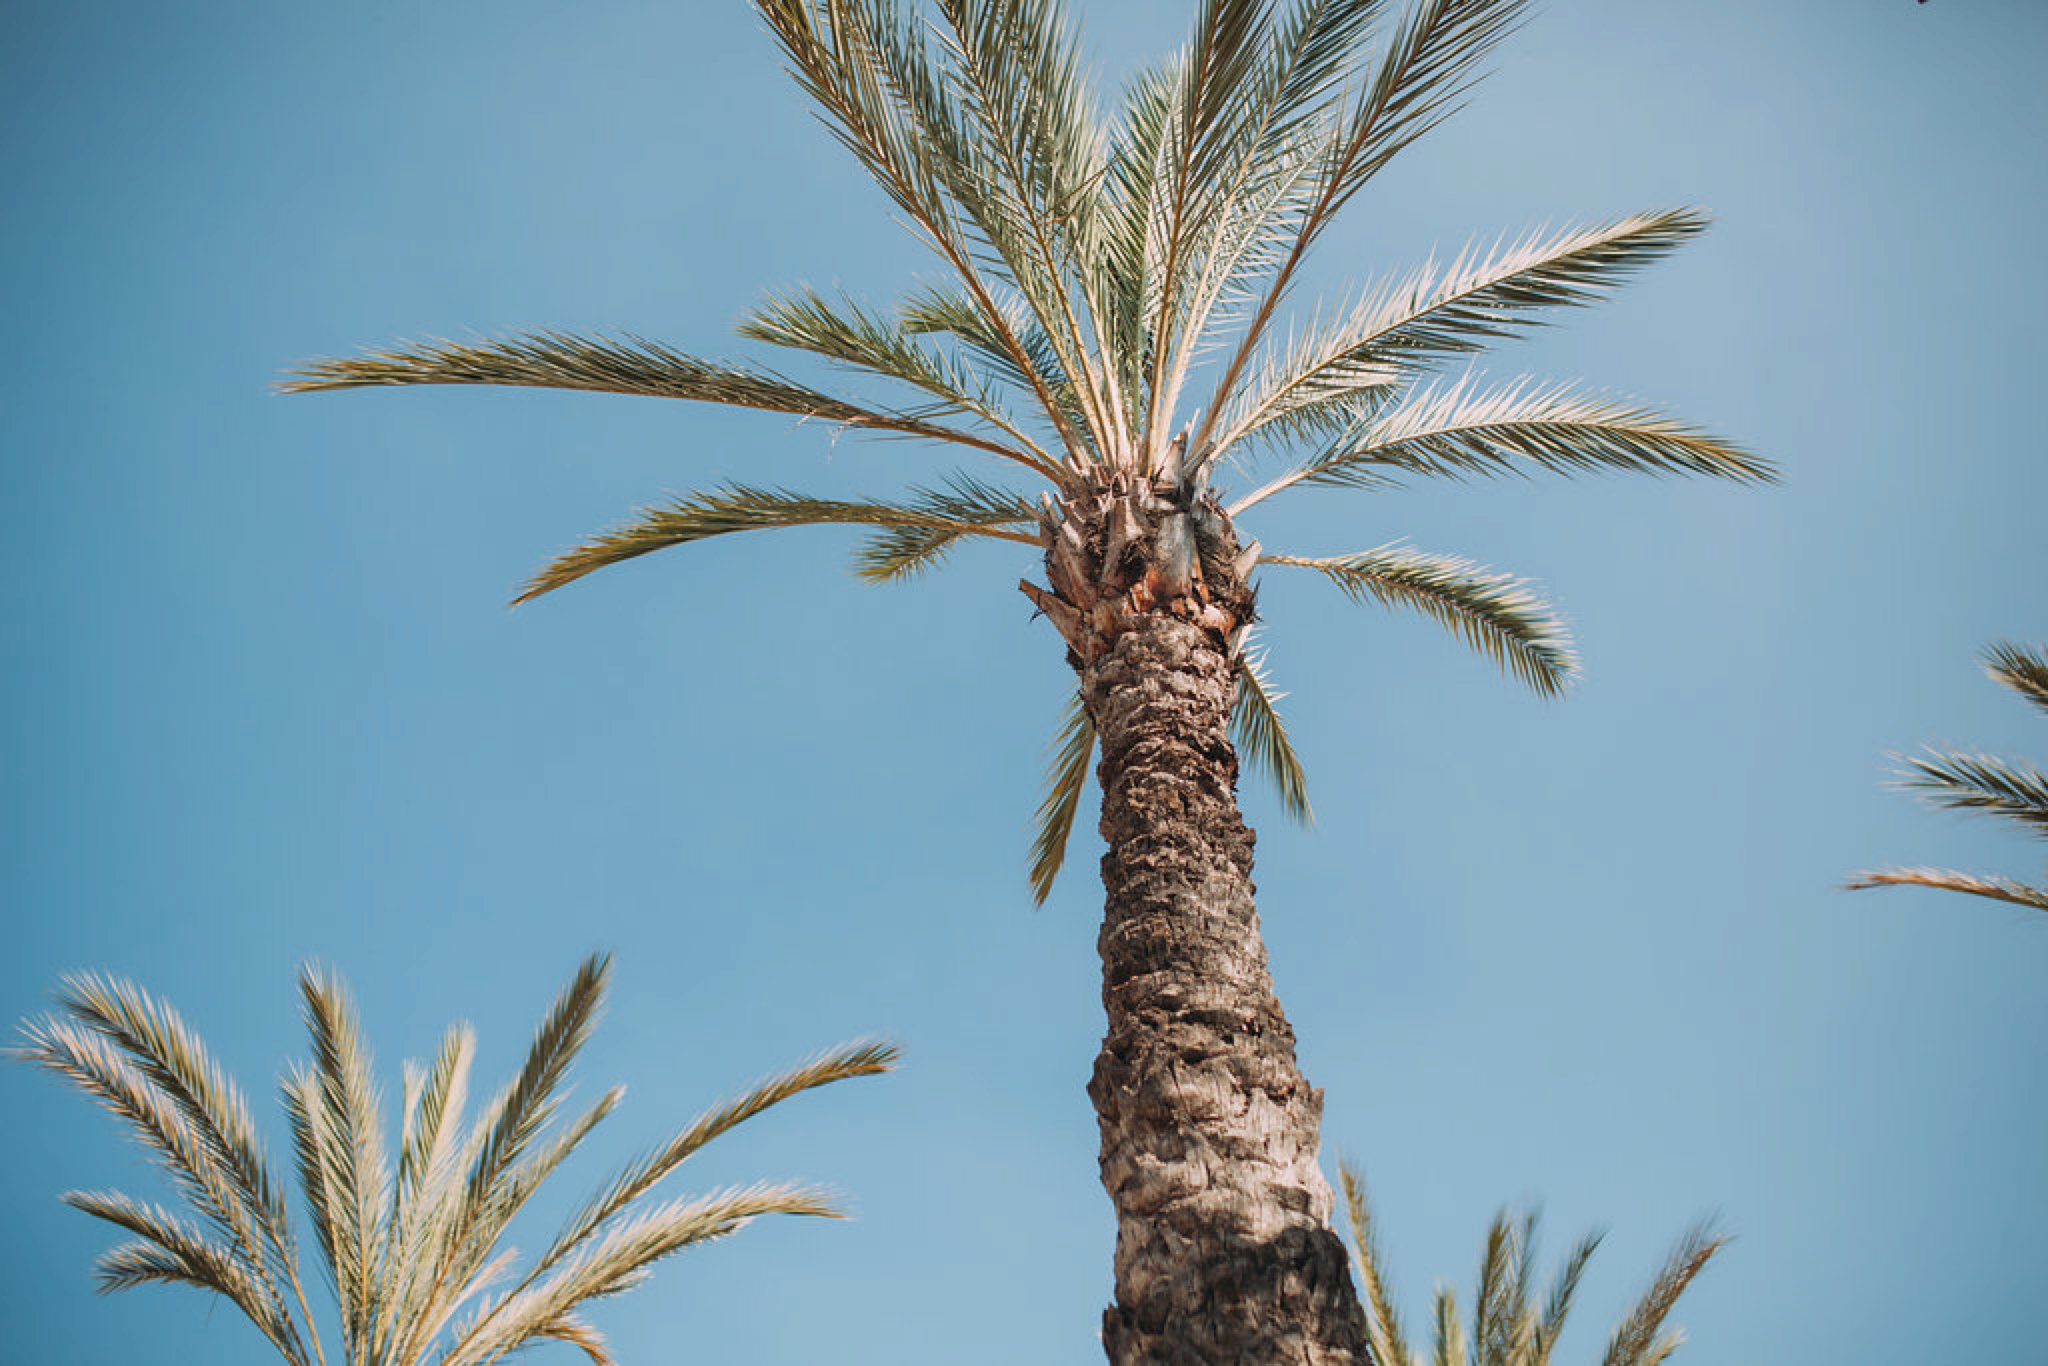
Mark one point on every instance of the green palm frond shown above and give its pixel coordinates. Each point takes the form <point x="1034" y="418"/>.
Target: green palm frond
<point x="1508" y="1329"/>
<point x="1431" y="60"/>
<point x="2023" y="669"/>
<point x="1053" y="823"/>
<point x="406" y="1251"/>
<point x="1402" y="326"/>
<point x="1980" y="782"/>
<point x="1949" y="880"/>
<point x="918" y="531"/>
<point x="1258" y="734"/>
<point x="1456" y="430"/>
<point x="1497" y="614"/>
<point x="559" y="360"/>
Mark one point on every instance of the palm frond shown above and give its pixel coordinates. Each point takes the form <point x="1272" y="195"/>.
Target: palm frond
<point x="1558" y="1304"/>
<point x="1383" y="1323"/>
<point x="869" y="73"/>
<point x="535" y="1093"/>
<point x="845" y="332"/>
<point x="355" y="1176"/>
<point x="851" y="1060"/>
<point x="1496" y="614"/>
<point x="1450" y="1334"/>
<point x="1260" y="737"/>
<point x="1053" y="823"/>
<point x="170" y="1252"/>
<point x="2020" y="668"/>
<point x="1430" y="61"/>
<point x="1948" y="880"/>
<point x="618" y="1261"/>
<point x="631" y="365"/>
<point x="1980" y="782"/>
<point x="931" y="523"/>
<point x="1637" y="1340"/>
<point x="1457" y="430"/>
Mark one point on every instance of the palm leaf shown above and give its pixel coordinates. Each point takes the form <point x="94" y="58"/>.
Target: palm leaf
<point x="1258" y="734"/>
<point x="1053" y="824"/>
<point x="852" y="1060"/>
<point x="1948" y="880"/>
<point x="1637" y="1341"/>
<point x="1383" y="1323"/>
<point x="1980" y="782"/>
<point x="350" y="1134"/>
<point x="1455" y="431"/>
<point x="2023" y="670"/>
<point x="633" y="365"/>
<point x="928" y="525"/>
<point x="1496" y="614"/>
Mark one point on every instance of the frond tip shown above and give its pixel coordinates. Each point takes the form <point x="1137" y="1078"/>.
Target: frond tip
<point x="1065" y="780"/>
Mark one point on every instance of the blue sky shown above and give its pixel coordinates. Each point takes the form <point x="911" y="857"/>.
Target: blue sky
<point x="263" y="702"/>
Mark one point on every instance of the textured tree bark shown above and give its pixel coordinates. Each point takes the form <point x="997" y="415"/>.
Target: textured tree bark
<point x="1225" y="1252"/>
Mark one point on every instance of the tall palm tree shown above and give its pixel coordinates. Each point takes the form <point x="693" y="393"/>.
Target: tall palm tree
<point x="1982" y="782"/>
<point x="1508" y="1328"/>
<point x="1110" y="328"/>
<point x="413" y="1254"/>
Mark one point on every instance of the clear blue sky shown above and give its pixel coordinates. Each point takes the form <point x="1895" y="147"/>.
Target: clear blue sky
<point x="263" y="701"/>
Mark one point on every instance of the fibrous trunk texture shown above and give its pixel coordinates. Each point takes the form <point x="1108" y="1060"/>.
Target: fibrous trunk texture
<point x="1225" y="1252"/>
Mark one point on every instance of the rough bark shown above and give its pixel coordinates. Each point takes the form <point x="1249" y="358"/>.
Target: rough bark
<point x="1225" y="1251"/>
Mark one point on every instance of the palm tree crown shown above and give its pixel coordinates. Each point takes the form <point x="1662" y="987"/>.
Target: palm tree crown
<point x="1982" y="782"/>
<point x="1110" y="325"/>
<point x="414" y="1253"/>
<point x="1508" y="1326"/>
<point x="1108" y="338"/>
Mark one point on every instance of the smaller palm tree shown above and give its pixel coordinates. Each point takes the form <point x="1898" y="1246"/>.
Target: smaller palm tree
<point x="1982" y="782"/>
<point x="413" y="1254"/>
<point x="1508" y="1329"/>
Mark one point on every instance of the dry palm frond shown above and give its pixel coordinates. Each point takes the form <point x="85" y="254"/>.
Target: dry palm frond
<point x="2023" y="670"/>
<point x="405" y="1251"/>
<point x="1949" y="880"/>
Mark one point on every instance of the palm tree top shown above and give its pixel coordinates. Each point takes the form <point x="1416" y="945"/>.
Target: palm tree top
<point x="1114" y="317"/>
<point x="411" y="1238"/>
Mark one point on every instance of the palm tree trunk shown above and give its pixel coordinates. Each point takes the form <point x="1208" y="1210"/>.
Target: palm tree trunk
<point x="1225" y="1251"/>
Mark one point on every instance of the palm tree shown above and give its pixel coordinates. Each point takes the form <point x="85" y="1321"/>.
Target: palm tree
<point x="1109" y="328"/>
<point x="1982" y="782"/>
<point x="410" y="1250"/>
<point x="1508" y="1329"/>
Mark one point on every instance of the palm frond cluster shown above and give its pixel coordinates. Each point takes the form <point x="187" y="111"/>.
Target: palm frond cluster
<point x="409" y="1238"/>
<point x="1509" y="1324"/>
<point x="1110" y="324"/>
<point x="2007" y="788"/>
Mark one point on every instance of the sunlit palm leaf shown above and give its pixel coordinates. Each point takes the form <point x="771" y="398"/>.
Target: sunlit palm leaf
<point x="1638" y="1340"/>
<point x="1948" y="880"/>
<point x="938" y="519"/>
<point x="1462" y="309"/>
<point x="1980" y="782"/>
<point x="350" y="1128"/>
<point x="2023" y="670"/>
<point x="1382" y="1321"/>
<point x="1053" y="824"/>
<point x="1457" y="430"/>
<point x="1496" y="614"/>
<point x="1260" y="737"/>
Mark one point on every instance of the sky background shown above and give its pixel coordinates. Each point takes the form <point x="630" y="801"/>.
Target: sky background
<point x="263" y="702"/>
